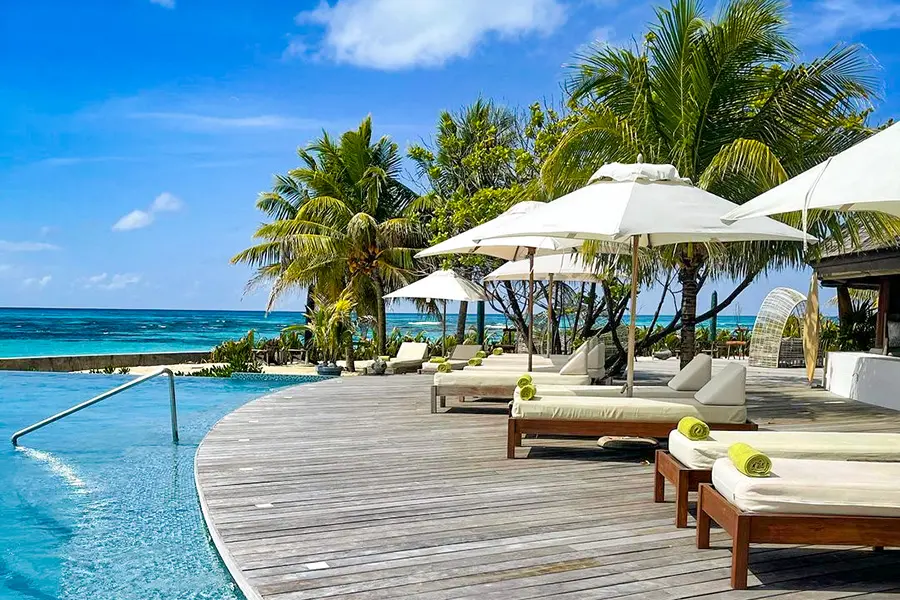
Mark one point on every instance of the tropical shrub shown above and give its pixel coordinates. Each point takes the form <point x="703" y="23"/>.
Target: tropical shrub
<point x="331" y="327"/>
<point x="237" y="356"/>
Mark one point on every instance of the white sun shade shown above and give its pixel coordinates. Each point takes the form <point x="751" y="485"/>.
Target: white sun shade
<point x="621" y="203"/>
<point x="509" y="248"/>
<point x="441" y="285"/>
<point x="864" y="177"/>
<point x="563" y="267"/>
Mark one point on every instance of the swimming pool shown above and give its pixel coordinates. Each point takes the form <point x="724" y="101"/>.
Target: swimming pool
<point x="101" y="505"/>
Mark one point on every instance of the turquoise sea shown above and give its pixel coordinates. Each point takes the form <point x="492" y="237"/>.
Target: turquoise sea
<point x="56" y="331"/>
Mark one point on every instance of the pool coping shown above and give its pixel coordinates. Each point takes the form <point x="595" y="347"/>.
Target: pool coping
<point x="234" y="571"/>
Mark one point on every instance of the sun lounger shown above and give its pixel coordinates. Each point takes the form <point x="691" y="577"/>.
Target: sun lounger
<point x="489" y="384"/>
<point x="688" y="463"/>
<point x="684" y="384"/>
<point x="588" y="358"/>
<point x="409" y="359"/>
<point x="801" y="502"/>
<point x="457" y="359"/>
<point x="720" y="402"/>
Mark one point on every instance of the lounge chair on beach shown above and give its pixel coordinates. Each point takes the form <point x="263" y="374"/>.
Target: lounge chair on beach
<point x="720" y="402"/>
<point x="801" y="502"/>
<point x="457" y="359"/>
<point x="684" y="384"/>
<point x="409" y="359"/>
<point x="485" y="382"/>
<point x="588" y="358"/>
<point x="688" y="463"/>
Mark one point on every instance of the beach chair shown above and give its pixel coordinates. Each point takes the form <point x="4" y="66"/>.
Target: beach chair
<point x="485" y="382"/>
<point x="457" y="359"/>
<point x="409" y="359"/>
<point x="803" y="502"/>
<point x="684" y="384"/>
<point x="721" y="401"/>
<point x="688" y="463"/>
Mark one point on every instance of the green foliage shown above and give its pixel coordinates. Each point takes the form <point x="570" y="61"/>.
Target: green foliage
<point x="330" y="325"/>
<point x="857" y="328"/>
<point x="237" y="356"/>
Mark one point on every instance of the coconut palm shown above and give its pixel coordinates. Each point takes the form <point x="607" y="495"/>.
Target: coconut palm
<point x="349" y="230"/>
<point x="727" y="103"/>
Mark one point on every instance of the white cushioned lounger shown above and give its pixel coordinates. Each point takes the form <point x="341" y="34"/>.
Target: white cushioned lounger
<point x="817" y="487"/>
<point x="609" y="391"/>
<point x="490" y="384"/>
<point x="457" y="360"/>
<point x="626" y="409"/>
<point x="819" y="445"/>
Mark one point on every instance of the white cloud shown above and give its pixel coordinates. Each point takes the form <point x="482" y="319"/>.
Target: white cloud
<point x="138" y="219"/>
<point x="6" y="246"/>
<point x="117" y="282"/>
<point x="38" y="282"/>
<point x="166" y="202"/>
<point x="164" y="3"/>
<point x="829" y="18"/>
<point x="398" y="34"/>
<point x="201" y="122"/>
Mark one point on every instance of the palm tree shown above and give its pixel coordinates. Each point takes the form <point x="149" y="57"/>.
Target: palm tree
<point x="727" y="103"/>
<point x="349" y="230"/>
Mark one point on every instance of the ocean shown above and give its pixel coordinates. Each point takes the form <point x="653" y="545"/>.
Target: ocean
<point x="60" y="332"/>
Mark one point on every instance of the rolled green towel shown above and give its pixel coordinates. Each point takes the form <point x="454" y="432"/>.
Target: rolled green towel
<point x="481" y="354"/>
<point x="750" y="461"/>
<point x="475" y="362"/>
<point x="444" y="367"/>
<point x="527" y="392"/>
<point x="497" y="351"/>
<point x="437" y="360"/>
<point x="693" y="428"/>
<point x="524" y="380"/>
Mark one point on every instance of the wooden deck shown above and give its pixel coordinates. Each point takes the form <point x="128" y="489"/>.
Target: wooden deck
<point x="352" y="489"/>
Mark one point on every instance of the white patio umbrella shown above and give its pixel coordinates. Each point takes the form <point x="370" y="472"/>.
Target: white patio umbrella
<point x="509" y="248"/>
<point x="441" y="285"/>
<point x="644" y="205"/>
<point x="863" y="177"/>
<point x="551" y="267"/>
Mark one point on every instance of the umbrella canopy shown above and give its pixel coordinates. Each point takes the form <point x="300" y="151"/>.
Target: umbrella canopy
<point x="509" y="248"/>
<point x="864" y="177"/>
<point x="560" y="267"/>
<point x="441" y="285"/>
<point x="644" y="205"/>
<point x="650" y="202"/>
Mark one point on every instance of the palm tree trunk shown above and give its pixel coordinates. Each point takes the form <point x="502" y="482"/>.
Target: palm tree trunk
<point x="461" y="321"/>
<point x="380" y="317"/>
<point x="351" y="362"/>
<point x="687" y="276"/>
<point x="590" y="316"/>
<point x="310" y="307"/>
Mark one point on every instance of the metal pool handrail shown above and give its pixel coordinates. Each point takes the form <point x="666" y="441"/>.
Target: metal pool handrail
<point x="104" y="396"/>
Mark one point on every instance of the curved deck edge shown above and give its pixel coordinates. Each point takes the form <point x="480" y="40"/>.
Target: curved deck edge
<point x="234" y="570"/>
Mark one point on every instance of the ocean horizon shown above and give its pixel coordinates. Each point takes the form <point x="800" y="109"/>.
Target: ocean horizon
<point x="72" y="331"/>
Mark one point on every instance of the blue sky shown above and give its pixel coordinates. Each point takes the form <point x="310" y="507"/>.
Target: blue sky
<point x="136" y="134"/>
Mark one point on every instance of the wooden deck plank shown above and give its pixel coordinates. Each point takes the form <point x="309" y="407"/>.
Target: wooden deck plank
<point x="401" y="503"/>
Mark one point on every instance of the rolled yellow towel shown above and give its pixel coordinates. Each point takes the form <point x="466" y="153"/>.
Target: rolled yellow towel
<point x="481" y="354"/>
<point x="444" y="367"/>
<point x="527" y="392"/>
<point x="750" y="461"/>
<point x="385" y="358"/>
<point x="437" y="360"/>
<point x="475" y="362"/>
<point x="693" y="429"/>
<point x="524" y="380"/>
<point x="497" y="351"/>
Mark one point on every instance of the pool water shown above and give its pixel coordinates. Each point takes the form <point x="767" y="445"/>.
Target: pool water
<point x="101" y="505"/>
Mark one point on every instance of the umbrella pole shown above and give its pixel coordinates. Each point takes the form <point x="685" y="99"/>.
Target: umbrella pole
<point x="550" y="316"/>
<point x="444" y="329"/>
<point x="635" y="241"/>
<point x="530" y="307"/>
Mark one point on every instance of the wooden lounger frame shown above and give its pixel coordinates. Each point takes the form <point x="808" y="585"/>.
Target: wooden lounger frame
<point x="686" y="480"/>
<point x="782" y="528"/>
<point x="439" y="393"/>
<point x="517" y="427"/>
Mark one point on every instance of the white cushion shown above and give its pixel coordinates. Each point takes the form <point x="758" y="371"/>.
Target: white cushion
<point x="694" y="375"/>
<point x="726" y="388"/>
<point x="411" y="351"/>
<point x="578" y="363"/>
<point x="597" y="361"/>
<point x="465" y="351"/>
